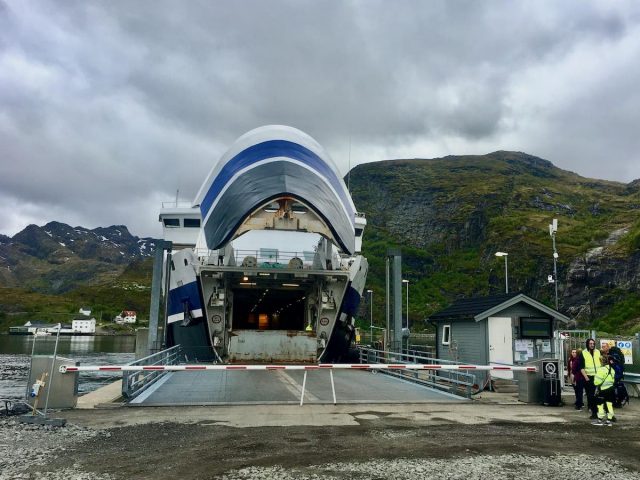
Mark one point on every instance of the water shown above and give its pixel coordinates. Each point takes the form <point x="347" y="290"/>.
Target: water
<point x="15" y="354"/>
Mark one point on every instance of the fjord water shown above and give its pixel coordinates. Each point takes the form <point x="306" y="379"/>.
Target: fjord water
<point x="15" y="354"/>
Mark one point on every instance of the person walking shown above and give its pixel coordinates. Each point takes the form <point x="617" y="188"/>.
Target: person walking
<point x="589" y="363"/>
<point x="603" y="382"/>
<point x="575" y="377"/>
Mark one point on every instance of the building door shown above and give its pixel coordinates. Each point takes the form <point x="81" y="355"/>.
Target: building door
<point x="500" y="345"/>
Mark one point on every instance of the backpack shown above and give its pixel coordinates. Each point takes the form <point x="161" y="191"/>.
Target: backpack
<point x="621" y="396"/>
<point x="618" y="357"/>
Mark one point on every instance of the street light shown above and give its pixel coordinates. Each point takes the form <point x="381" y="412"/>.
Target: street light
<point x="506" y="270"/>
<point x="553" y="228"/>
<point x="407" y="283"/>
<point x="370" y="292"/>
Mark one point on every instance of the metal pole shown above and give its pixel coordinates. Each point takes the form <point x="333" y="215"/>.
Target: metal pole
<point x="33" y="349"/>
<point x="397" y="300"/>
<point x="167" y="278"/>
<point x="333" y="386"/>
<point x="156" y="291"/>
<point x="371" y="315"/>
<point x="555" y="269"/>
<point x="506" y="274"/>
<point x="387" y="333"/>
<point x="407" y="315"/>
<point x="407" y="303"/>
<point x="304" y="384"/>
<point x="53" y="361"/>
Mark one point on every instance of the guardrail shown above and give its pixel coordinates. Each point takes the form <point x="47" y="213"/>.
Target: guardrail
<point x="444" y="375"/>
<point x="633" y="380"/>
<point x="136" y="380"/>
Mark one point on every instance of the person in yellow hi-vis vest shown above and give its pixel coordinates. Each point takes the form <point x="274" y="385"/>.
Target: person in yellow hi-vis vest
<point x="604" y="381"/>
<point x="589" y="363"/>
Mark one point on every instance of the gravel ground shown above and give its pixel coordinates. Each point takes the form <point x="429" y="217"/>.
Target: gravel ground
<point x="26" y="449"/>
<point x="520" y="467"/>
<point x="377" y="447"/>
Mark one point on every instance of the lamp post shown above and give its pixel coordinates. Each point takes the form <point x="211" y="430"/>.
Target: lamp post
<point x="553" y="228"/>
<point x="370" y="292"/>
<point x="406" y="282"/>
<point x="506" y="270"/>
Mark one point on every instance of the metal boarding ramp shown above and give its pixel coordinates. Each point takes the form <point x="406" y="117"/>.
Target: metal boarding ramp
<point x="162" y="380"/>
<point x="271" y="385"/>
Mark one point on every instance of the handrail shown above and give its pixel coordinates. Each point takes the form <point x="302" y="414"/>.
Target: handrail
<point x="135" y="382"/>
<point x="631" y="378"/>
<point x="451" y="381"/>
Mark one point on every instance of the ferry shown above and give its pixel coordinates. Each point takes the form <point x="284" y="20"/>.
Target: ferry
<point x="266" y="304"/>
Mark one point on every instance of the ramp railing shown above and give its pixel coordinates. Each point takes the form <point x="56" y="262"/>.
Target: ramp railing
<point x="135" y="382"/>
<point x="457" y="382"/>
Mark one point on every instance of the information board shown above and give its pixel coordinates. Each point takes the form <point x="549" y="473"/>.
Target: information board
<point x="625" y="346"/>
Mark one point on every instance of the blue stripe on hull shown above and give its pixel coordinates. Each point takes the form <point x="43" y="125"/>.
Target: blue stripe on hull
<point x="179" y="295"/>
<point x="351" y="301"/>
<point x="272" y="149"/>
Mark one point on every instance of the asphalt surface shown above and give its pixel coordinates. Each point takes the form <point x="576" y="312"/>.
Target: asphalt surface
<point x="459" y="440"/>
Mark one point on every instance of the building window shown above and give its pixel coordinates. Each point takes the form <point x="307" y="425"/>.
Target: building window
<point x="446" y="334"/>
<point x="172" y="222"/>
<point x="191" y="223"/>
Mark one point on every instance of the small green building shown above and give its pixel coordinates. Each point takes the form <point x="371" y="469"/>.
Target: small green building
<point x="507" y="329"/>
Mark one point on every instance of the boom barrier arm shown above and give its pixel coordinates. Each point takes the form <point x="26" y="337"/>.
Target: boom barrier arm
<point x="321" y="366"/>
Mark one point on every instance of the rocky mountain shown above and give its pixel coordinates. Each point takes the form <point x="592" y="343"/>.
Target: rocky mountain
<point x="57" y="258"/>
<point x="450" y="215"/>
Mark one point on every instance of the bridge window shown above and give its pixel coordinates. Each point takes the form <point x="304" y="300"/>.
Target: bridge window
<point x="192" y="223"/>
<point x="446" y="334"/>
<point x="171" y="222"/>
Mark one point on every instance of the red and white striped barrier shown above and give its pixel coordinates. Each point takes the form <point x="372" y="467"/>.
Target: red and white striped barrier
<point x="321" y="366"/>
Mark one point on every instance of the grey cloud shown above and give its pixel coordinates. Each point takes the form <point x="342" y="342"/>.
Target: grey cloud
<point x="105" y="106"/>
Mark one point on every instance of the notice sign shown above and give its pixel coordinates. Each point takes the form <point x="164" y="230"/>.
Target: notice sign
<point x="625" y="346"/>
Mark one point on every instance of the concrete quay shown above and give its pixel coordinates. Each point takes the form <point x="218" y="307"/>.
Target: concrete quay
<point x="491" y="436"/>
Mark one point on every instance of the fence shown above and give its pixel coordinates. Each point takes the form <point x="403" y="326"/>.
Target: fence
<point x="423" y="343"/>
<point x="135" y="382"/>
<point x="454" y="381"/>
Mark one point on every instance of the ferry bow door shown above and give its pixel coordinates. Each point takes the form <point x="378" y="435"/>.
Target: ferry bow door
<point x="500" y="345"/>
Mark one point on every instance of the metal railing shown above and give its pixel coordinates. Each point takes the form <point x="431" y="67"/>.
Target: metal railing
<point x="134" y="383"/>
<point x="632" y="380"/>
<point x="177" y="204"/>
<point x="264" y="257"/>
<point x="455" y="382"/>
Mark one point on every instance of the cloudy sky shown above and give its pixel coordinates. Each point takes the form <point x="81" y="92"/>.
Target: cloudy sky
<point x="107" y="108"/>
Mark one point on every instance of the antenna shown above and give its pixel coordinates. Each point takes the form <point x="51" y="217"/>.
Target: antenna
<point x="349" y="173"/>
<point x="177" y="194"/>
<point x="553" y="228"/>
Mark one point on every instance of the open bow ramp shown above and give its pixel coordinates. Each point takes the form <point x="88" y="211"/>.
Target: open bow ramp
<point x="289" y="303"/>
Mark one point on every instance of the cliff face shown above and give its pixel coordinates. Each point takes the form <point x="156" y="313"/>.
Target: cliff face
<point x="450" y="216"/>
<point x="603" y="283"/>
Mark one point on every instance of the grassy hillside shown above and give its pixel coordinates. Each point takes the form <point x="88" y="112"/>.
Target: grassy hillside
<point x="129" y="290"/>
<point x="451" y="215"/>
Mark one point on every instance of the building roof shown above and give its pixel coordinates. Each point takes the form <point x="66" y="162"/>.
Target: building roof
<point x="83" y="317"/>
<point x="40" y="324"/>
<point x="479" y="308"/>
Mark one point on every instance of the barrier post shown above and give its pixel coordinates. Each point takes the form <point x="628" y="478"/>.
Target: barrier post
<point x="304" y="384"/>
<point x="333" y="387"/>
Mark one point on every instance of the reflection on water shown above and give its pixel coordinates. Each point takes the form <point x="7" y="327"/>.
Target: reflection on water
<point x="44" y="345"/>
<point x="15" y="353"/>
